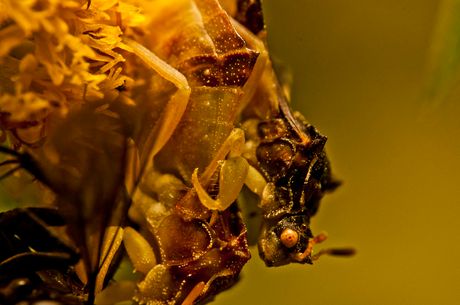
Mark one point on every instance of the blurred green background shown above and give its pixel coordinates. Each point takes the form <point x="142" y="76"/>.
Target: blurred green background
<point x="360" y="73"/>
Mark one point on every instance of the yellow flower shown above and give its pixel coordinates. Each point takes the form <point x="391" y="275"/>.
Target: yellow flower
<point x="56" y="55"/>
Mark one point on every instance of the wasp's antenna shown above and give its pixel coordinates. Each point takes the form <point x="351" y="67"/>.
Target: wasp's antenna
<point x="334" y="252"/>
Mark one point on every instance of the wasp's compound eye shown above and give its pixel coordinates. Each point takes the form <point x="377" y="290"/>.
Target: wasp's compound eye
<point x="289" y="238"/>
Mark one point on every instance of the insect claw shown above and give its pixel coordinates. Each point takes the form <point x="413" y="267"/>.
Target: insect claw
<point x="214" y="218"/>
<point x="204" y="197"/>
<point x="232" y="176"/>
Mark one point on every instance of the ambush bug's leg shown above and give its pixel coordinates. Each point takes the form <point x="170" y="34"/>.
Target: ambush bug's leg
<point x="194" y="294"/>
<point x="155" y="288"/>
<point x="139" y="251"/>
<point x="175" y="107"/>
<point x="231" y="179"/>
<point x="120" y="292"/>
<point x="255" y="181"/>
<point x="235" y="171"/>
<point x="112" y="241"/>
<point x="214" y="218"/>
<point x="232" y="146"/>
<point x="132" y="166"/>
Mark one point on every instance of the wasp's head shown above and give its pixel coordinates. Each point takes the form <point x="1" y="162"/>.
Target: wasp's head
<point x="285" y="241"/>
<point x="285" y="236"/>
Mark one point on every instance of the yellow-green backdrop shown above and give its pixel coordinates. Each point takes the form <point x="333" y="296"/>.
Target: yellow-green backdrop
<point x="359" y="68"/>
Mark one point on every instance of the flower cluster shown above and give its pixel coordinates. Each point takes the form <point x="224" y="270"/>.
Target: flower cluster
<point x="56" y="55"/>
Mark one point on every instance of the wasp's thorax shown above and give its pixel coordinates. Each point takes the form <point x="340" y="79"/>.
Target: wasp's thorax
<point x="290" y="154"/>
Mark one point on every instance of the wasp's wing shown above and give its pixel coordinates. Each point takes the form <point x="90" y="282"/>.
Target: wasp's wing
<point x="273" y="92"/>
<point x="35" y="261"/>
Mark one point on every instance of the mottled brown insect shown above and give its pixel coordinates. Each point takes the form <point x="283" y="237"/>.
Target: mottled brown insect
<point x="290" y="154"/>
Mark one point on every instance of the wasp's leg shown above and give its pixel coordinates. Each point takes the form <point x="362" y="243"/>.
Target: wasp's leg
<point x="111" y="244"/>
<point x="175" y="107"/>
<point x="139" y="251"/>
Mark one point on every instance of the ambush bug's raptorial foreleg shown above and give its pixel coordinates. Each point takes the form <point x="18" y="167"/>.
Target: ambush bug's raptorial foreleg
<point x="174" y="109"/>
<point x="198" y="242"/>
<point x="234" y="172"/>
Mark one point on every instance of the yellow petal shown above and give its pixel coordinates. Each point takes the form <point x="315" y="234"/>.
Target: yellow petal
<point x="10" y="37"/>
